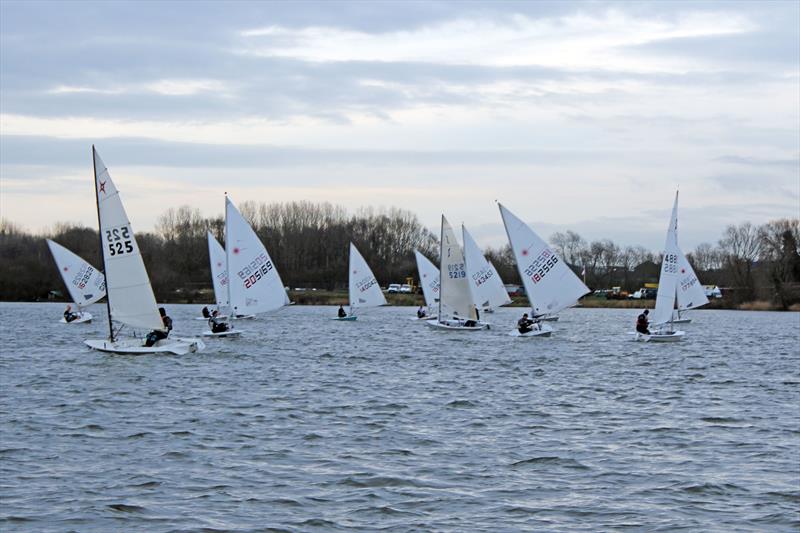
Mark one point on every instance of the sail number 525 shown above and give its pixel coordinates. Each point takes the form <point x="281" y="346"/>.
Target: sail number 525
<point x="118" y="241"/>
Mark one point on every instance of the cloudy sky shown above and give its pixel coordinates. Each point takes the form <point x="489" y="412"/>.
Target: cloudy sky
<point x="583" y="116"/>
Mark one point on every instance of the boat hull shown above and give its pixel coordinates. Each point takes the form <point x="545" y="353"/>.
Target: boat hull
<point x="223" y="334"/>
<point x="543" y="331"/>
<point x="133" y="346"/>
<point x="454" y="325"/>
<point x="673" y="336"/>
<point x="681" y="320"/>
<point x="345" y="318"/>
<point x="84" y="318"/>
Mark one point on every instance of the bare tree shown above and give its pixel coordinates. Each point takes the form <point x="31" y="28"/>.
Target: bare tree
<point x="741" y="247"/>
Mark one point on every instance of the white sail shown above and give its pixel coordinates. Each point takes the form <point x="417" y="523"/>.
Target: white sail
<point x="668" y="279"/>
<point x="487" y="287"/>
<point x="363" y="287"/>
<point x="254" y="283"/>
<point x="691" y="293"/>
<point x="84" y="282"/>
<point x="428" y="279"/>
<point x="549" y="282"/>
<point x="456" y="298"/>
<point x="219" y="271"/>
<point x="130" y="294"/>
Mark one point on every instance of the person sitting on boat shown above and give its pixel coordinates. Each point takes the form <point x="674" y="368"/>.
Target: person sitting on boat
<point x="69" y="316"/>
<point x="216" y="324"/>
<point x="342" y="313"/>
<point x="421" y="312"/>
<point x="525" y="324"/>
<point x="642" y="323"/>
<point x="206" y="313"/>
<point x="158" y="334"/>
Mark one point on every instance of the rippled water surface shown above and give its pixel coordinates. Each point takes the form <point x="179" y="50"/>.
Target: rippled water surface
<point x="307" y="424"/>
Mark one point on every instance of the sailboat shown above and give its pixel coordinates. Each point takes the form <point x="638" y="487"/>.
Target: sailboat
<point x="549" y="282"/>
<point x="487" y="286"/>
<point x="130" y="300"/>
<point x="362" y="287"/>
<point x="254" y="285"/>
<point x="85" y="284"/>
<point x="219" y="279"/>
<point x="676" y="281"/>
<point x="429" y="281"/>
<point x="457" y="310"/>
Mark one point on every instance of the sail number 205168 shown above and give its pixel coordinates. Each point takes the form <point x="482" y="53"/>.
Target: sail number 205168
<point x="118" y="241"/>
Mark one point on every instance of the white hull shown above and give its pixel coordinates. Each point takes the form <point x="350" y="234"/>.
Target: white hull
<point x="350" y="318"/>
<point x="681" y="320"/>
<point x="549" y="318"/>
<point x="543" y="331"/>
<point x="242" y="317"/>
<point x="82" y="319"/>
<point x="229" y="333"/>
<point x="455" y="325"/>
<point x="423" y="319"/>
<point x="132" y="346"/>
<point x="673" y="336"/>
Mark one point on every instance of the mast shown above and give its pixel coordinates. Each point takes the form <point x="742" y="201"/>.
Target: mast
<point x="441" y="259"/>
<point x="227" y="247"/>
<point x="102" y="250"/>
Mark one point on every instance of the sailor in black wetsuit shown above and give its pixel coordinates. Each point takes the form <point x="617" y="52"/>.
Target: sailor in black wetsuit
<point x="524" y="324"/>
<point x="642" y="323"/>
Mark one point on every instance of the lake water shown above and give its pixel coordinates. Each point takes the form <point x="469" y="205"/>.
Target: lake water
<point x="307" y="424"/>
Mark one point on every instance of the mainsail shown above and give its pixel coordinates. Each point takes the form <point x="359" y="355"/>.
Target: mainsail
<point x="667" y="280"/>
<point x="130" y="295"/>
<point x="549" y="282"/>
<point x="486" y="283"/>
<point x="363" y="287"/>
<point x="253" y="281"/>
<point x="84" y="282"/>
<point x="219" y="270"/>
<point x="456" y="298"/>
<point x="428" y="279"/>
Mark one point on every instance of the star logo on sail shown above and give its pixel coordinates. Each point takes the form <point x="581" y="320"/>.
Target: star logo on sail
<point x="236" y="251"/>
<point x="66" y="269"/>
<point x="524" y="252"/>
<point x="103" y="187"/>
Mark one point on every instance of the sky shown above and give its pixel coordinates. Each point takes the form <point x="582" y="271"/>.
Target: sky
<point x="575" y="115"/>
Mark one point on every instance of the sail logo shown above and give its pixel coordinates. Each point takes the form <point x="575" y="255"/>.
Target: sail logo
<point x="540" y="266"/>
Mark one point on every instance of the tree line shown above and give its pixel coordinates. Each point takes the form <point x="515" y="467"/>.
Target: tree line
<point x="309" y="244"/>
